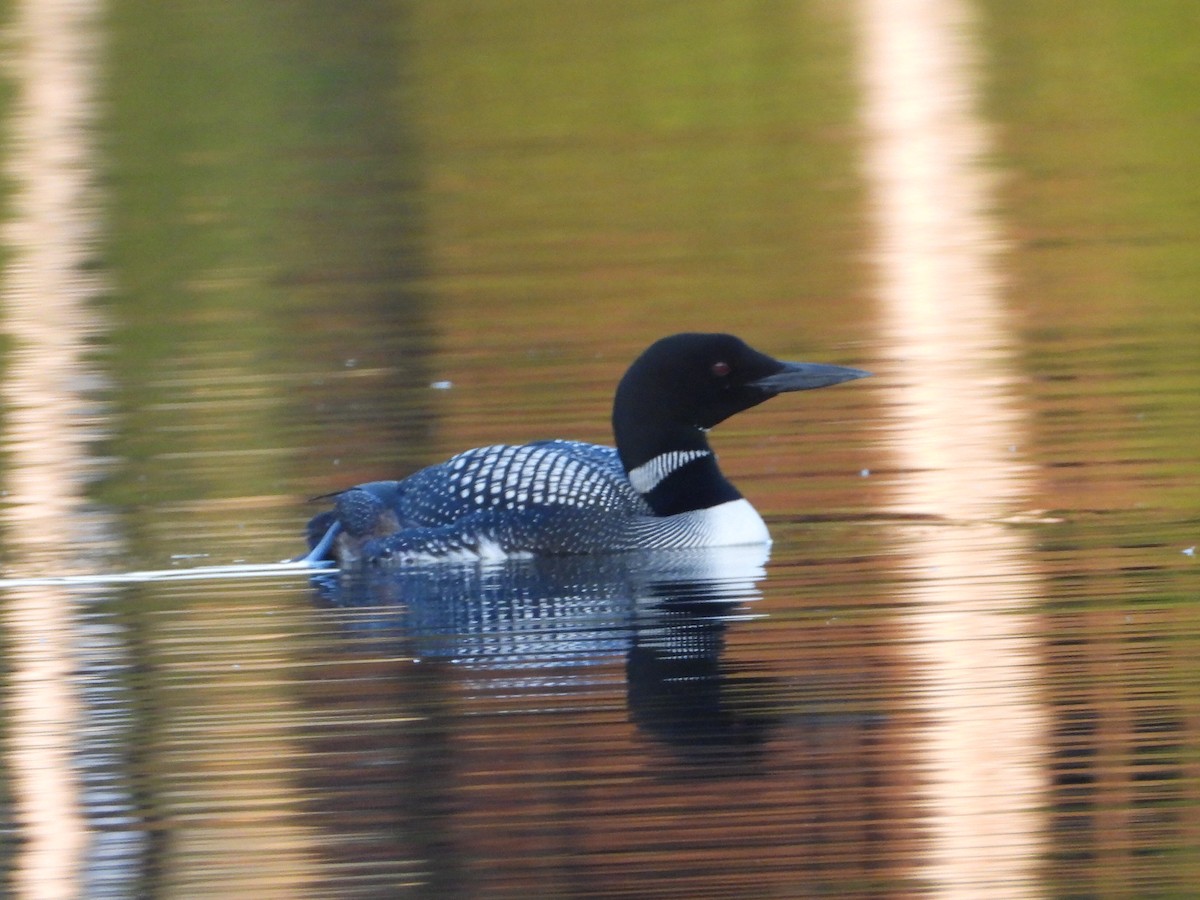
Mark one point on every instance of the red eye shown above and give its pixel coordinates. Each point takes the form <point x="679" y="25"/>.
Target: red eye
<point x="720" y="369"/>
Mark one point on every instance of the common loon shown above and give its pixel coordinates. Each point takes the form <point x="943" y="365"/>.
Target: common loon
<point x="659" y="488"/>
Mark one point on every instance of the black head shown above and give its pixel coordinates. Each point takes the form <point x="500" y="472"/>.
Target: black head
<point x="699" y="380"/>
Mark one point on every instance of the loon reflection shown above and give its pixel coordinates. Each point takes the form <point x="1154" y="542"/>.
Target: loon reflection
<point x="547" y="622"/>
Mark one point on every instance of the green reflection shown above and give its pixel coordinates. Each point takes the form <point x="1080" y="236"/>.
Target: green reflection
<point x="1095" y="105"/>
<point x="1097" y="125"/>
<point x="688" y="163"/>
<point x="266" y="241"/>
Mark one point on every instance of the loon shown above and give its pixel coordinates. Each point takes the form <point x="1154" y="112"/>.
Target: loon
<point x="659" y="488"/>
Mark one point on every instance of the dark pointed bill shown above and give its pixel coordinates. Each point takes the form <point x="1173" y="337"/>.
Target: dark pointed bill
<point x="806" y="376"/>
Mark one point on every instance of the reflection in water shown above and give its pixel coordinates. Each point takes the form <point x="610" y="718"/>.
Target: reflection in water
<point x="62" y="785"/>
<point x="679" y="693"/>
<point x="218" y="738"/>
<point x="547" y="623"/>
<point x="506" y="764"/>
<point x="956" y="427"/>
<point x="219" y="748"/>
<point x="103" y="748"/>
<point x="596" y="727"/>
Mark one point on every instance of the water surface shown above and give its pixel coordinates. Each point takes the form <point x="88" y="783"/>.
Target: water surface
<point x="255" y="252"/>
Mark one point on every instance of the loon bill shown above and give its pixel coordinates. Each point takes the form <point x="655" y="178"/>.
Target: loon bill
<point x="659" y="488"/>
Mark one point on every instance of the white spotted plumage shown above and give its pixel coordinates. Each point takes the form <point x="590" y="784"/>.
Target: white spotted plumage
<point x="520" y="477"/>
<point x="553" y="496"/>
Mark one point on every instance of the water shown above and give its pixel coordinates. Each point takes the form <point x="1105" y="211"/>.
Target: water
<point x="256" y="252"/>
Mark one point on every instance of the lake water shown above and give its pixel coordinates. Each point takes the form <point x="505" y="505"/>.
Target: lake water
<point x="256" y="252"/>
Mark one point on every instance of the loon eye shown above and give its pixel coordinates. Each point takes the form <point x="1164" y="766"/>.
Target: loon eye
<point x="720" y="369"/>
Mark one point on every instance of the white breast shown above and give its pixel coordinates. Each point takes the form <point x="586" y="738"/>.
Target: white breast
<point x="732" y="523"/>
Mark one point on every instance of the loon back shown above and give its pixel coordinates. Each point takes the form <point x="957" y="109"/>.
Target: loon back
<point x="660" y="488"/>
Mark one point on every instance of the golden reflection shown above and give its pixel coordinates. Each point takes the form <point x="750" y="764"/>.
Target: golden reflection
<point x="227" y="748"/>
<point x="957" y="431"/>
<point x="45" y="317"/>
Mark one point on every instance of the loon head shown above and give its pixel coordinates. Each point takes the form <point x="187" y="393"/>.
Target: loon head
<point x="685" y="384"/>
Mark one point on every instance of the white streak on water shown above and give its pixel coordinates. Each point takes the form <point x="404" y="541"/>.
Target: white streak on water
<point x="198" y="573"/>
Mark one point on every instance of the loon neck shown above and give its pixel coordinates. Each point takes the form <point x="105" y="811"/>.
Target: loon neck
<point x="676" y="475"/>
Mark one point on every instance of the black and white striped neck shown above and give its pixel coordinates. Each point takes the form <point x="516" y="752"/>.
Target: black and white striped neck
<point x="649" y="475"/>
<point x="678" y="481"/>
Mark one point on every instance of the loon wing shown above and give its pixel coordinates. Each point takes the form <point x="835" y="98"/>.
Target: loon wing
<point x="520" y="480"/>
<point x="547" y="498"/>
<point x="508" y="498"/>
